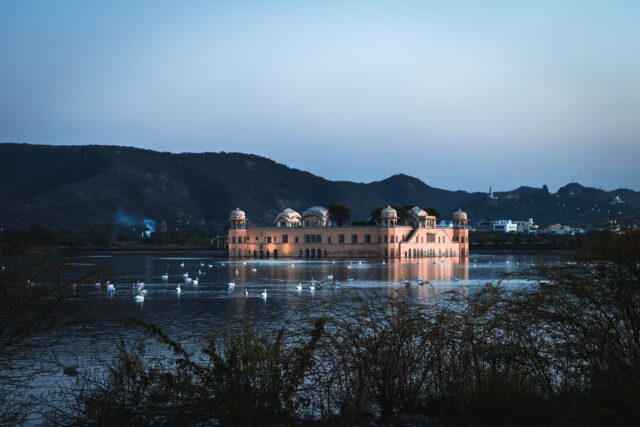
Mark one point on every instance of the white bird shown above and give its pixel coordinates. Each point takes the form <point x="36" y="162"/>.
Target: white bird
<point x="182" y="264"/>
<point x="139" y="298"/>
<point x="264" y="294"/>
<point x="312" y="287"/>
<point x="111" y="288"/>
<point x="188" y="280"/>
<point x="330" y="277"/>
<point x="244" y="263"/>
<point x="185" y="275"/>
<point x="237" y="272"/>
<point x="254" y="270"/>
<point x="348" y="266"/>
<point x="98" y="284"/>
<point x="232" y="285"/>
<point x="246" y="293"/>
<point x="199" y="271"/>
<point x="202" y="264"/>
<point x="211" y="265"/>
<point x="178" y="290"/>
<point x="223" y="264"/>
<point x="165" y="276"/>
<point x="359" y="262"/>
<point x="292" y="265"/>
<point x="299" y="286"/>
<point x="195" y="282"/>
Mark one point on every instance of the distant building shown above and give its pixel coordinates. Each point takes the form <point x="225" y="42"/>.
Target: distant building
<point x="618" y="201"/>
<point x="313" y="235"/>
<point x="505" y="225"/>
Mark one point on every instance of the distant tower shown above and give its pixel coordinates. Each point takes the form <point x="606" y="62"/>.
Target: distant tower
<point x="491" y="196"/>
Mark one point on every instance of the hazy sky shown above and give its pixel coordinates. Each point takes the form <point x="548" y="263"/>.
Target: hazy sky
<point x="460" y="94"/>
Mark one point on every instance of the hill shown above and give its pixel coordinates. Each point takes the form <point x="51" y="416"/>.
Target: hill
<point x="76" y="187"/>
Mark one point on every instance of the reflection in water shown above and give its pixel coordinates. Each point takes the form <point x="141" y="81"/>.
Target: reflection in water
<point x="212" y="307"/>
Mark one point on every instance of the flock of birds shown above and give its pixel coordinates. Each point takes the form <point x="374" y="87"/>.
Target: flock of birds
<point x="313" y="285"/>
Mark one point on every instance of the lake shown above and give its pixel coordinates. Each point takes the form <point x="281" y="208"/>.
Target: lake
<point x="210" y="306"/>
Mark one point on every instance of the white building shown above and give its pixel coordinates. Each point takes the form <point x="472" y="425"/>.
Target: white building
<point x="505" y="225"/>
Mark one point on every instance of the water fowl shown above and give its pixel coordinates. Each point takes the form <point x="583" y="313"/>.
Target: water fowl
<point x="231" y="285"/>
<point x="111" y="288"/>
<point x="312" y="286"/>
<point x="185" y="275"/>
<point x="139" y="298"/>
<point x="98" y="284"/>
<point x="330" y="277"/>
<point x="211" y="265"/>
<point x="254" y="270"/>
<point x="246" y="293"/>
<point x="165" y="277"/>
<point x="182" y="264"/>
<point x="237" y="272"/>
<point x="178" y="290"/>
<point x="195" y="282"/>
<point x="202" y="264"/>
<point x="264" y="294"/>
<point x="299" y="286"/>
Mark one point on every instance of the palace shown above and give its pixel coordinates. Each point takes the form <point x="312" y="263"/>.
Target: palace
<point x="312" y="235"/>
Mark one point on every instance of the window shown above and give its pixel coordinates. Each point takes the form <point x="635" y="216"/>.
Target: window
<point x="386" y="238"/>
<point x="296" y="239"/>
<point x="340" y="238"/>
<point x="313" y="238"/>
<point x="267" y="239"/>
<point x="285" y="238"/>
<point x="233" y="240"/>
<point x="367" y="238"/>
<point x="354" y="239"/>
<point x="328" y="240"/>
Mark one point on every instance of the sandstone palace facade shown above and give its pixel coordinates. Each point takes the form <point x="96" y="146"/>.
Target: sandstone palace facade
<point x="312" y="235"/>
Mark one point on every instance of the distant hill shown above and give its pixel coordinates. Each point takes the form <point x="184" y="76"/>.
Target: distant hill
<point x="81" y="186"/>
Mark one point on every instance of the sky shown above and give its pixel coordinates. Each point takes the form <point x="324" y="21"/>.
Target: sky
<point x="461" y="95"/>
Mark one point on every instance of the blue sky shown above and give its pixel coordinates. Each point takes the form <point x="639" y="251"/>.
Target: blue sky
<point x="462" y="95"/>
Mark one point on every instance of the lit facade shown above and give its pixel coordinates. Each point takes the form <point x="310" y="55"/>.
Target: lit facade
<point x="312" y="235"/>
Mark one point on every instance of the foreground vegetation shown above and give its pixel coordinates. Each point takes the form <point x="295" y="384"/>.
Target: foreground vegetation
<point x="565" y="351"/>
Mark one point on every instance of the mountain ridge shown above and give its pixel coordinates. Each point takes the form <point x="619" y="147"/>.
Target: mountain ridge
<point x="80" y="186"/>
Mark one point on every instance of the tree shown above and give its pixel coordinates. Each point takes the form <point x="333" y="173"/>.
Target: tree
<point x="339" y="213"/>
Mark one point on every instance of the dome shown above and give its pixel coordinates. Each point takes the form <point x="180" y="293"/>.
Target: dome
<point x="459" y="215"/>
<point x="318" y="211"/>
<point x="417" y="212"/>
<point x="288" y="215"/>
<point x="237" y="215"/>
<point x="388" y="213"/>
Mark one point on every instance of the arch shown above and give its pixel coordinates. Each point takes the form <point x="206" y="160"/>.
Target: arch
<point x="325" y="253"/>
<point x="306" y="253"/>
<point x="275" y="253"/>
<point x="261" y="254"/>
<point x="255" y="254"/>
<point x="267" y="253"/>
<point x="313" y="253"/>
